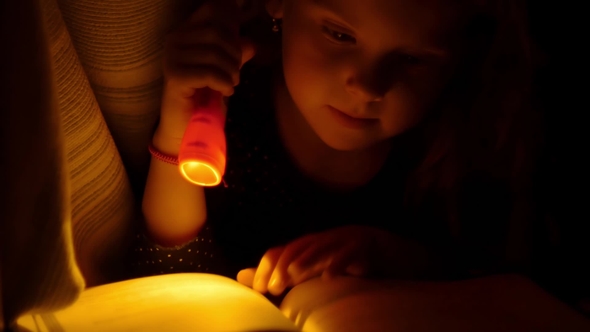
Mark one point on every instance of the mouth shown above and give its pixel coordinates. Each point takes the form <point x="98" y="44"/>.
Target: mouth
<point x="349" y="121"/>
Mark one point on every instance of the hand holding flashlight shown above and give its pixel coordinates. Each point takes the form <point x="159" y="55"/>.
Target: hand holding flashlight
<point x="197" y="77"/>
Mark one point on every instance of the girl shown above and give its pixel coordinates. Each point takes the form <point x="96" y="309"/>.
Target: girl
<point x="385" y="138"/>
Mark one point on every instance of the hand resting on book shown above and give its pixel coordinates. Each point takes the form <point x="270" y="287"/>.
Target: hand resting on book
<point x="358" y="251"/>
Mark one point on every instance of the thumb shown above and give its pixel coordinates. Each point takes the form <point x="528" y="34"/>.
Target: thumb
<point x="246" y="277"/>
<point x="248" y="50"/>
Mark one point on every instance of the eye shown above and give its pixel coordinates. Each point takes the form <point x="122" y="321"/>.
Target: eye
<point x="410" y="59"/>
<point x="339" y="37"/>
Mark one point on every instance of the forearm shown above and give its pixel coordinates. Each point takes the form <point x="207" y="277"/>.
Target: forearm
<point x="494" y="303"/>
<point x="404" y="258"/>
<point x="173" y="208"/>
<point x="510" y="302"/>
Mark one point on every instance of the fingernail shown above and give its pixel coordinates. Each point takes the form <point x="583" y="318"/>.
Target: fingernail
<point x="274" y="282"/>
<point x="276" y="286"/>
<point x="256" y="283"/>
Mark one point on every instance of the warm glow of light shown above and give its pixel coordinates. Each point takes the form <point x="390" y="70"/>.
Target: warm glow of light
<point x="173" y="302"/>
<point x="200" y="173"/>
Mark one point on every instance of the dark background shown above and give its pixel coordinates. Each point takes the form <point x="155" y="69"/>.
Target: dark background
<point x="561" y="85"/>
<point x="561" y="33"/>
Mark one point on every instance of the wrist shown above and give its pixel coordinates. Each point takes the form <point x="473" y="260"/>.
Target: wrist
<point x="166" y="143"/>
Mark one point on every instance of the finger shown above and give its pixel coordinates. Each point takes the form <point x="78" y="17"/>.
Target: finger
<point x="342" y="259"/>
<point x="206" y="35"/>
<point x="246" y="276"/>
<point x="309" y="272"/>
<point x="248" y="51"/>
<point x="265" y="269"/>
<point x="203" y="55"/>
<point x="226" y="11"/>
<point x="359" y="268"/>
<point x="189" y="78"/>
<point x="280" y="277"/>
<point x="311" y="262"/>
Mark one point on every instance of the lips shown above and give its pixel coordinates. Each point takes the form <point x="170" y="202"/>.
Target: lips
<point x="349" y="121"/>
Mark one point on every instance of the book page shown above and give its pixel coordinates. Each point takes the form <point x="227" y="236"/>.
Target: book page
<point x="173" y="302"/>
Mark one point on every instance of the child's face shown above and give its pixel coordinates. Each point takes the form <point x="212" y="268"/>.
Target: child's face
<point x="363" y="71"/>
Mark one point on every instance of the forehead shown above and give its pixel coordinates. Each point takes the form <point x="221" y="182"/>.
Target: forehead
<point x="431" y="21"/>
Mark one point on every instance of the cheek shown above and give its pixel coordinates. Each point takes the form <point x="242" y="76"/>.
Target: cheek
<point x="409" y="102"/>
<point x="309" y="70"/>
<point x="307" y="53"/>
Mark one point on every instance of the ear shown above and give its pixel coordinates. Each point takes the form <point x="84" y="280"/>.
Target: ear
<point x="275" y="8"/>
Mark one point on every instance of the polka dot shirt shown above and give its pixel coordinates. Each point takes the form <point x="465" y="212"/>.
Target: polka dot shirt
<point x="198" y="255"/>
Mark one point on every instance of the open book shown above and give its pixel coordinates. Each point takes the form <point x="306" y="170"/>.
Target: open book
<point x="172" y="302"/>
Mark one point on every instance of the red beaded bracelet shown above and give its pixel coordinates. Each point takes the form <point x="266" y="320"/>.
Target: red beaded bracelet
<point x="161" y="156"/>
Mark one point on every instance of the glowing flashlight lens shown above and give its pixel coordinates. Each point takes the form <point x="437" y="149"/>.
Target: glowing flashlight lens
<point x="202" y="150"/>
<point x="200" y="173"/>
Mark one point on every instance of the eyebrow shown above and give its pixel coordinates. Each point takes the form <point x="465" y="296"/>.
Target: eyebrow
<point x="329" y="7"/>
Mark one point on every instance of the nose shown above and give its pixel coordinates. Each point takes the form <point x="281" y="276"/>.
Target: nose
<point x="369" y="79"/>
<point x="363" y="90"/>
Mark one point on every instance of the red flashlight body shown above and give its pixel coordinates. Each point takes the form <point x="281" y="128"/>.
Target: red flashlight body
<point x="202" y="154"/>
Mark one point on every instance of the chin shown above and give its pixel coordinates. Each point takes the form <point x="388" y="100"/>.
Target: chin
<point x="345" y="143"/>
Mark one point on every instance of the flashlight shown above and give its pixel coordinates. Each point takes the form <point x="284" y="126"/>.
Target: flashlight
<point x="202" y="154"/>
